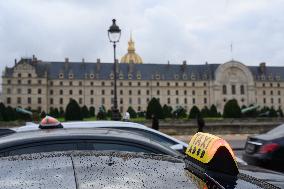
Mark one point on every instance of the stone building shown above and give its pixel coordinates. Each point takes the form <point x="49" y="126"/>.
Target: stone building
<point x="41" y="85"/>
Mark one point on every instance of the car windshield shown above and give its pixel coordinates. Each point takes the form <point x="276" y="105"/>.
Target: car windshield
<point x="277" y="130"/>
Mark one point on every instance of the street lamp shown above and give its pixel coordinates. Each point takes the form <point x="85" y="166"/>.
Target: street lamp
<point x="114" y="35"/>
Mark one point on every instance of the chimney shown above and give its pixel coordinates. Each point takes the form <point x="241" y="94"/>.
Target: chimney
<point x="15" y="61"/>
<point x="98" y="66"/>
<point x="98" y="60"/>
<point x="184" y="63"/>
<point x="262" y="67"/>
<point x="83" y="60"/>
<point x="66" y="60"/>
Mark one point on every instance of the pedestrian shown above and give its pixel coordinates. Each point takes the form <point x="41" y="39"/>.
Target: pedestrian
<point x="155" y="122"/>
<point x="200" y="122"/>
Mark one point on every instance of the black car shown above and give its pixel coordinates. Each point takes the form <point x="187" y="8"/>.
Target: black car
<point x="266" y="150"/>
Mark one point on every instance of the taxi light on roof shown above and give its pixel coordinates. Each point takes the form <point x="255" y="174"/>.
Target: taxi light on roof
<point x="213" y="152"/>
<point x="49" y="123"/>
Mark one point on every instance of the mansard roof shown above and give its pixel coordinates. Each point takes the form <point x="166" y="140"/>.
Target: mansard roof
<point x="146" y="71"/>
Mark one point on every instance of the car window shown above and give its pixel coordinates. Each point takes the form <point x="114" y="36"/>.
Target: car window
<point x="152" y="136"/>
<point x="28" y="149"/>
<point x="277" y="130"/>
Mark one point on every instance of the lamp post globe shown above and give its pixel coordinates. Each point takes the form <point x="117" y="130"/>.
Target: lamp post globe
<point x="114" y="35"/>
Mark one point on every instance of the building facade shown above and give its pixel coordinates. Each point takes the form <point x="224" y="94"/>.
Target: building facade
<point x="42" y="85"/>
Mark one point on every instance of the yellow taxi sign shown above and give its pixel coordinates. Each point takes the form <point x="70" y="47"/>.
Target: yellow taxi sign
<point x="203" y="147"/>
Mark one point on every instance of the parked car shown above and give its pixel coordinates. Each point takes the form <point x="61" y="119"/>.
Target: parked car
<point x="266" y="150"/>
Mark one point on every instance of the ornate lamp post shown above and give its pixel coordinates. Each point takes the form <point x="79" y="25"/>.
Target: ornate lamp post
<point x="114" y="35"/>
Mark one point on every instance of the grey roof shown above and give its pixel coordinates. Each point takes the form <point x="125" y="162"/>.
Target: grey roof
<point x="149" y="71"/>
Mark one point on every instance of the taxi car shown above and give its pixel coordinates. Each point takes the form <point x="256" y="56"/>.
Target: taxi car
<point x="266" y="150"/>
<point x="208" y="162"/>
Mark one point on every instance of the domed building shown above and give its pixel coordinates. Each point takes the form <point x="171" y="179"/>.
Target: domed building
<point x="131" y="56"/>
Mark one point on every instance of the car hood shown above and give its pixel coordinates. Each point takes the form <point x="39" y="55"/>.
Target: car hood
<point x="272" y="177"/>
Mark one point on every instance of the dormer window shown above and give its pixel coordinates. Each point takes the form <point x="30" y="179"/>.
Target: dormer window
<point x="111" y="76"/>
<point x="61" y="75"/>
<point x="193" y="76"/>
<point x="205" y="76"/>
<point x="71" y="76"/>
<point x="270" y="77"/>
<point x="129" y="76"/>
<point x="138" y="76"/>
<point x="157" y="76"/>
<point x="120" y="76"/>
<point x="184" y="76"/>
<point x="262" y="77"/>
<point x="92" y="76"/>
<point x="176" y="76"/>
<point x="277" y="77"/>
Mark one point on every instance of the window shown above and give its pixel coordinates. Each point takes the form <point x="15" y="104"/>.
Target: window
<point x="205" y="92"/>
<point x="61" y="83"/>
<point x="61" y="92"/>
<point x="70" y="83"/>
<point x="80" y="92"/>
<point x="51" y="83"/>
<point x="193" y="84"/>
<point x="264" y="100"/>
<point x="138" y="83"/>
<point x="92" y="92"/>
<point x="242" y="90"/>
<point x="80" y="101"/>
<point x="130" y="92"/>
<point x="39" y="81"/>
<point x="29" y="91"/>
<point x="111" y="83"/>
<point x="279" y="92"/>
<point x="29" y="82"/>
<point x="130" y="83"/>
<point x="185" y="100"/>
<point x="80" y="83"/>
<point x="103" y="83"/>
<point x="9" y="81"/>
<point x="70" y="92"/>
<point x="51" y="101"/>
<point x="19" y="81"/>
<point x="271" y="100"/>
<point x="176" y="92"/>
<point x="193" y="92"/>
<point x="148" y="92"/>
<point x="158" y="92"/>
<point x="92" y="100"/>
<point x="233" y="89"/>
<point x="139" y="108"/>
<point x="279" y="100"/>
<point x="193" y="101"/>
<point x="263" y="92"/>
<point x="103" y="100"/>
<point x="111" y="92"/>
<point x="92" y="83"/>
<point x="8" y="100"/>
<point x="139" y="100"/>
<point x="19" y="75"/>
<point x="39" y="91"/>
<point x="19" y="100"/>
<point x="168" y="92"/>
<point x="158" y="84"/>
<point x="29" y="75"/>
<point x="130" y="100"/>
<point x="204" y="84"/>
<point x="169" y="100"/>
<point x="176" y="84"/>
<point x="121" y="100"/>
<point x="39" y="100"/>
<point x="8" y="91"/>
<point x="184" y="84"/>
<point x="278" y="84"/>
<point x="121" y="92"/>
<point x="168" y="84"/>
<point x="121" y="84"/>
<point x="177" y="100"/>
<point x="271" y="92"/>
<point x="61" y="101"/>
<point x="19" y="91"/>
<point x="205" y="100"/>
<point x="29" y="100"/>
<point x="147" y="84"/>
<point x="139" y="92"/>
<point x="263" y="84"/>
<point x="185" y="92"/>
<point x="103" y="92"/>
<point x="271" y="85"/>
<point x="51" y="92"/>
<point x="224" y="89"/>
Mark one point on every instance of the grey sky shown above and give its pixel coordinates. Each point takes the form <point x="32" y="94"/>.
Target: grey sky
<point x="196" y="31"/>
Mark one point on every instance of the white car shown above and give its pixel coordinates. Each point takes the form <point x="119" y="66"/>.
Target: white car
<point x="143" y="130"/>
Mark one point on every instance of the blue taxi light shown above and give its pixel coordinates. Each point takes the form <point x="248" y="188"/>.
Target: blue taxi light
<point x="50" y="123"/>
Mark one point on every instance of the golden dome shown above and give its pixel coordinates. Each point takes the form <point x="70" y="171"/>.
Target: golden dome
<point x="131" y="56"/>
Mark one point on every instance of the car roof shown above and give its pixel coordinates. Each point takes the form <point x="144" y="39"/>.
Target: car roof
<point x="74" y="133"/>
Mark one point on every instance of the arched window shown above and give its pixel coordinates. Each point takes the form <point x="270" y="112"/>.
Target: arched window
<point x="224" y="89"/>
<point x="242" y="90"/>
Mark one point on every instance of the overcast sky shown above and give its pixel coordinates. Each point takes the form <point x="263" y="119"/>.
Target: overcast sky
<point x="163" y="30"/>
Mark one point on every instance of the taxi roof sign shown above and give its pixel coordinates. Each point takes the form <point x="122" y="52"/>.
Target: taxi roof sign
<point x="212" y="151"/>
<point x="49" y="123"/>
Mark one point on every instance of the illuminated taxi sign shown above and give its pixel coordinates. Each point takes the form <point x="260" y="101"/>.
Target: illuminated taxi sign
<point x="212" y="151"/>
<point x="49" y="123"/>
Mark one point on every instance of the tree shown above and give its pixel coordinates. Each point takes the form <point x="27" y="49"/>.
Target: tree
<point x="102" y="115"/>
<point x="61" y="112"/>
<point x="167" y="111"/>
<point x="132" y="112"/>
<point x="10" y="113"/>
<point x="272" y="112"/>
<point x="154" y="108"/>
<point x="205" y="112"/>
<point x="232" y="109"/>
<point x="85" y="111"/>
<point x="193" y="112"/>
<point x="280" y="112"/>
<point x="213" y="111"/>
<point x="141" y="114"/>
<point x="42" y="114"/>
<point x="53" y="112"/>
<point x="92" y="111"/>
<point x="180" y="112"/>
<point x="73" y="111"/>
<point x="2" y="112"/>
